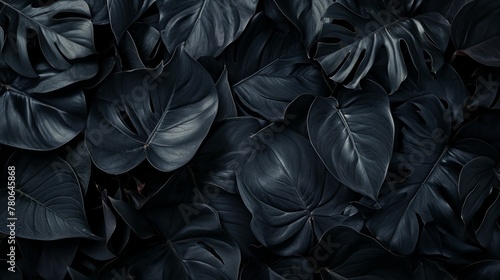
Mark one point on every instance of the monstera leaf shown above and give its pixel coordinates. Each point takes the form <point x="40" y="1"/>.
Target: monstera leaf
<point x="372" y="26"/>
<point x="60" y="37"/>
<point x="429" y="170"/>
<point x="36" y="114"/>
<point x="207" y="27"/>
<point x="146" y="114"/>
<point x="354" y="136"/>
<point x="292" y="197"/>
<point x="48" y="199"/>
<point x="478" y="36"/>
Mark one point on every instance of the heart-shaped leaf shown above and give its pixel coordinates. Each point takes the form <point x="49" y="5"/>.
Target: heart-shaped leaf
<point x="143" y="114"/>
<point x="354" y="136"/>
<point x="207" y="27"/>
<point x="292" y="197"/>
<point x="48" y="199"/>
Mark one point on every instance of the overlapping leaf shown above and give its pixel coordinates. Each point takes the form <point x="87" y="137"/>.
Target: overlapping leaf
<point x="268" y="80"/>
<point x="60" y="39"/>
<point x="424" y="176"/>
<point x="36" y="114"/>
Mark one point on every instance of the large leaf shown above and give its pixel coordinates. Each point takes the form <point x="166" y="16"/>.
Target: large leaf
<point x="478" y="36"/>
<point x="428" y="169"/>
<point x="33" y="118"/>
<point x="141" y="115"/>
<point x="348" y="254"/>
<point x="375" y="26"/>
<point x="207" y="27"/>
<point x="354" y="136"/>
<point x="48" y="199"/>
<point x="307" y="16"/>
<point x="61" y="38"/>
<point x="292" y="197"/>
<point x="266" y="81"/>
